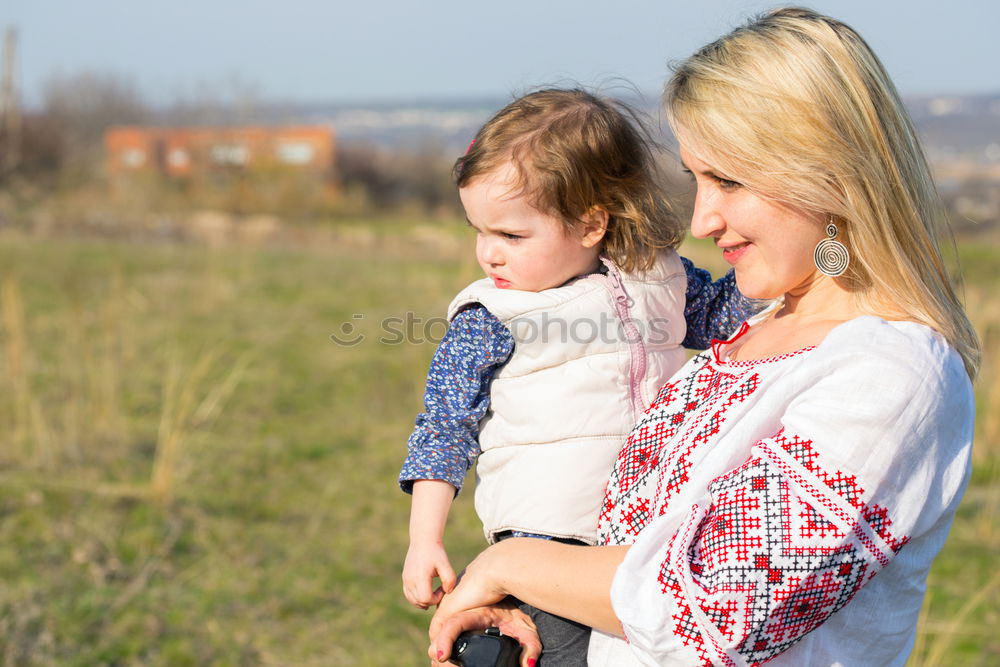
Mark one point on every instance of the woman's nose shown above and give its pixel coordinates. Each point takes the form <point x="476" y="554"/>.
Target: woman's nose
<point x="706" y="220"/>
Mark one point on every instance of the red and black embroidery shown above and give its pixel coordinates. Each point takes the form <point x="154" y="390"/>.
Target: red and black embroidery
<point x="846" y="487"/>
<point x="687" y="414"/>
<point x="788" y="539"/>
<point x="766" y="563"/>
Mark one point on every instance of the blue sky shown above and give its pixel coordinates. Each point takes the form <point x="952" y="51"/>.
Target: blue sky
<point x="335" y="50"/>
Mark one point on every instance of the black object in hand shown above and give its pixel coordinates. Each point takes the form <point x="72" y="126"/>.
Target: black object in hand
<point x="489" y="648"/>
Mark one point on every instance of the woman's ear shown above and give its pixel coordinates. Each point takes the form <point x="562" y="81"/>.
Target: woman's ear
<point x="593" y="226"/>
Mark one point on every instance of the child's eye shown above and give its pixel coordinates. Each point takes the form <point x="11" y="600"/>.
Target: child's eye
<point x="512" y="237"/>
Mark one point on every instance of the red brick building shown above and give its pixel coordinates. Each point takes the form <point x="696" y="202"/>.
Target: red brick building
<point x="190" y="151"/>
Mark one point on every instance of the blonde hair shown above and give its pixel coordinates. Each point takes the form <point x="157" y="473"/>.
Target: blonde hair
<point x="797" y="107"/>
<point x="573" y="151"/>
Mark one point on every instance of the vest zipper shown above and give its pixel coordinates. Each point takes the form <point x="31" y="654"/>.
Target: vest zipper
<point x="637" y="350"/>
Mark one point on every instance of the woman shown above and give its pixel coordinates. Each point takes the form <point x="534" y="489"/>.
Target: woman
<point x="829" y="440"/>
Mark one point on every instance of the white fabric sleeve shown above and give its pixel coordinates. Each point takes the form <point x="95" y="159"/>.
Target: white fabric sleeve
<point x="872" y="451"/>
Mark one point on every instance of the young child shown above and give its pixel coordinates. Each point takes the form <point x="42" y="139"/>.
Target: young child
<point x="549" y="361"/>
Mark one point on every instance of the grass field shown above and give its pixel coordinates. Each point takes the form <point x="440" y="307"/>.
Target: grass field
<point x="193" y="473"/>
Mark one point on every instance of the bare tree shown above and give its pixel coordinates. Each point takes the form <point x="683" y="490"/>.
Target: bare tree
<point x="10" y="111"/>
<point x="80" y="107"/>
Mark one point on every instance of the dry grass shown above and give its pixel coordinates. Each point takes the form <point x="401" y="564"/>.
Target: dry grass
<point x="193" y="474"/>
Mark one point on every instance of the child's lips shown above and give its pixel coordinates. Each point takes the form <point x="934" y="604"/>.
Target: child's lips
<point x="500" y="282"/>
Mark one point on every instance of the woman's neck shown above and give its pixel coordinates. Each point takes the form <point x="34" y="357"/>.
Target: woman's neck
<point x="803" y="320"/>
<point x="823" y="299"/>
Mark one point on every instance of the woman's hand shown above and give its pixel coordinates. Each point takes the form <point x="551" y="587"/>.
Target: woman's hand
<point x="479" y="601"/>
<point x="565" y="580"/>
<point x="478" y="586"/>
<point x="504" y="615"/>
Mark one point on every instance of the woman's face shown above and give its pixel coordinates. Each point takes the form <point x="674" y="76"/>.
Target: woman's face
<point x="769" y="245"/>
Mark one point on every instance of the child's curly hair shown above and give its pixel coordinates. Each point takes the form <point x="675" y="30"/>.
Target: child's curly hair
<point x="574" y="151"/>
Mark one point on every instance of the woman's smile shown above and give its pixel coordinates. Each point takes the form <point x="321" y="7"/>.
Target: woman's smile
<point x="733" y="253"/>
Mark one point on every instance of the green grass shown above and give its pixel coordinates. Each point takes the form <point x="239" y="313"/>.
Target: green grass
<point x="193" y="473"/>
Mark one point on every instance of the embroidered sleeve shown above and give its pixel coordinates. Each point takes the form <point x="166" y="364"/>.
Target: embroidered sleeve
<point x="816" y="510"/>
<point x="445" y="442"/>
<point x="783" y="545"/>
<point x="712" y="310"/>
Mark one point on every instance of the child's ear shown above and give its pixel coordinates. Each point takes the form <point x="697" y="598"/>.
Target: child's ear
<point x="594" y="225"/>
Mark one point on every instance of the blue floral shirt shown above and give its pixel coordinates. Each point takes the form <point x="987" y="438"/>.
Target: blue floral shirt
<point x="445" y="442"/>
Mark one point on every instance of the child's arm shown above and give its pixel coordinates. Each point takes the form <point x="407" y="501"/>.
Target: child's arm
<point x="445" y="442"/>
<point x="712" y="310"/>
<point x="426" y="557"/>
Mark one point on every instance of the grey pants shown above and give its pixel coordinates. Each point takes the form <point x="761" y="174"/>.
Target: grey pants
<point x="564" y="642"/>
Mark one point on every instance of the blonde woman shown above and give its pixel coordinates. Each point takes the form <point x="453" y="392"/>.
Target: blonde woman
<point x="784" y="496"/>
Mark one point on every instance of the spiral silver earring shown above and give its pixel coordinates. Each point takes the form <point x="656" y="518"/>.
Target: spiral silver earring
<point x="831" y="256"/>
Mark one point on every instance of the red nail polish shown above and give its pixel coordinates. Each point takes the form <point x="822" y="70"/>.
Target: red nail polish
<point x="531" y="662"/>
<point x="441" y="654"/>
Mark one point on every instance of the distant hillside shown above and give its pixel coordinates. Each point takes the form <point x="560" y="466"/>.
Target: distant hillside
<point x="950" y="125"/>
<point x="956" y="125"/>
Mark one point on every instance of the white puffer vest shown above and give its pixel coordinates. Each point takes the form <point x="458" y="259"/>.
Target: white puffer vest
<point x="588" y="358"/>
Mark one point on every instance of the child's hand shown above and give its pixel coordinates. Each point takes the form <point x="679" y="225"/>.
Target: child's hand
<point x="426" y="558"/>
<point x="424" y="561"/>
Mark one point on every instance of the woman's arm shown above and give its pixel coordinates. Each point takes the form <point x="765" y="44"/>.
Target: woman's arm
<point x="567" y="580"/>
<point x="870" y="455"/>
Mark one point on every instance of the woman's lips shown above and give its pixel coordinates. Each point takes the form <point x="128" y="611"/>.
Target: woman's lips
<point x="733" y="253"/>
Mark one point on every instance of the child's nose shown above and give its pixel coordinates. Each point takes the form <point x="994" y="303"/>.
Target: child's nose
<point x="490" y="252"/>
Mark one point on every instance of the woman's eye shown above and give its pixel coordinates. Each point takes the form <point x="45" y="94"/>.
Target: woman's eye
<point x="726" y="184"/>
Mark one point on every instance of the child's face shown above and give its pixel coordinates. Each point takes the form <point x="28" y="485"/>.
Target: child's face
<point x="520" y="247"/>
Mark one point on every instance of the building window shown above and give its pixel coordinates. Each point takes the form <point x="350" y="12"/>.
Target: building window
<point x="233" y="154"/>
<point x="133" y="158"/>
<point x="178" y="158"/>
<point x="298" y="152"/>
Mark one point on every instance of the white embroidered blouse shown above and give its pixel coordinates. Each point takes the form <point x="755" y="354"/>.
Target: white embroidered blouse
<point x="763" y="497"/>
